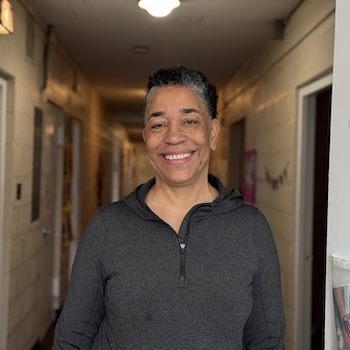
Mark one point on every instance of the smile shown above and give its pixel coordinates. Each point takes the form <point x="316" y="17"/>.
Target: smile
<point x="177" y="156"/>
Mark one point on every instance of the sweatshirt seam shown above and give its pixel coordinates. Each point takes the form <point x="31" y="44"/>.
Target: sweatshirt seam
<point x="101" y="217"/>
<point x="259" y="276"/>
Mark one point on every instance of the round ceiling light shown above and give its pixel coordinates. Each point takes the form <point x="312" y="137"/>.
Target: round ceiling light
<point x="159" y="8"/>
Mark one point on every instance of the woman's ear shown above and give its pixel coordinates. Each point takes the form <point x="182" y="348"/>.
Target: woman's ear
<point x="143" y="133"/>
<point x="214" y="133"/>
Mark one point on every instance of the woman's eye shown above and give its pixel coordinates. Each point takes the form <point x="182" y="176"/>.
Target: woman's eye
<point x="191" y="122"/>
<point x="157" y="126"/>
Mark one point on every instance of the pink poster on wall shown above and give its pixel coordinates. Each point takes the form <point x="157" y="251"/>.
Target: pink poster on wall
<point x="249" y="176"/>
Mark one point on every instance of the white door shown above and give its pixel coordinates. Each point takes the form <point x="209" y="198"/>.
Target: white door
<point x="4" y="234"/>
<point x="54" y="149"/>
<point x="305" y="206"/>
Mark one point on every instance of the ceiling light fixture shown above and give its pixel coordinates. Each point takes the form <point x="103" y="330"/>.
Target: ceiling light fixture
<point x="140" y="50"/>
<point x="6" y="17"/>
<point x="159" y="8"/>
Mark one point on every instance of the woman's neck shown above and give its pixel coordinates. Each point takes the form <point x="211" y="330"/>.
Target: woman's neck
<point x="188" y="195"/>
<point x="172" y="204"/>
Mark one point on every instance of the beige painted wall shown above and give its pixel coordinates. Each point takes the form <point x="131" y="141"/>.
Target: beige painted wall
<point x="339" y="171"/>
<point x="26" y="268"/>
<point x="264" y="92"/>
<point x="144" y="170"/>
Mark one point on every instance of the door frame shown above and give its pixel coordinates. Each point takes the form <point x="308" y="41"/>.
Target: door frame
<point x="236" y="146"/>
<point x="56" y="273"/>
<point x="75" y="190"/>
<point x="304" y="205"/>
<point x="4" y="242"/>
<point x="116" y="170"/>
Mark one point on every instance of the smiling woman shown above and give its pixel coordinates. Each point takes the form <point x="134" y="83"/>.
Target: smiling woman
<point x="181" y="262"/>
<point x="179" y="135"/>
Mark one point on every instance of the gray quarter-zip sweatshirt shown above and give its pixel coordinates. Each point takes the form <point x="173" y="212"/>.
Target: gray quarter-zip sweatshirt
<point x="136" y="284"/>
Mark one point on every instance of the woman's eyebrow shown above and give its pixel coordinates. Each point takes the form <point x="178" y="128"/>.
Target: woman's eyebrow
<point x="181" y="110"/>
<point x="156" y="114"/>
<point x="189" y="110"/>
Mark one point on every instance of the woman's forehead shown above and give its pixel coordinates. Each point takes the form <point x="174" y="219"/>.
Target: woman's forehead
<point x="174" y="94"/>
<point x="177" y="96"/>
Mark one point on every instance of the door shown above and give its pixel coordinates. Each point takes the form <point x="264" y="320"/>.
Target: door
<point x="46" y="160"/>
<point x="55" y="118"/>
<point x="75" y="214"/>
<point x="320" y="204"/>
<point x="236" y="152"/>
<point x="311" y="211"/>
<point x="116" y="171"/>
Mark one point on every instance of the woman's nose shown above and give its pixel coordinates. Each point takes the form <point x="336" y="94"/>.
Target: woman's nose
<point x="174" y="134"/>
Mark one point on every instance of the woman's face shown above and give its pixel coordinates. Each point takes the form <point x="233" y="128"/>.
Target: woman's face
<point x="179" y="136"/>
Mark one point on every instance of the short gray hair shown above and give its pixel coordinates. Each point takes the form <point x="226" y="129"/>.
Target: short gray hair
<point x="182" y="76"/>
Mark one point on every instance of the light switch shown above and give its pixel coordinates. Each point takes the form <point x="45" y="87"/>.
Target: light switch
<point x="19" y="191"/>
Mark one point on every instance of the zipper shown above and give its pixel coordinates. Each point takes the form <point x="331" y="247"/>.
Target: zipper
<point x="183" y="244"/>
<point x="182" y="272"/>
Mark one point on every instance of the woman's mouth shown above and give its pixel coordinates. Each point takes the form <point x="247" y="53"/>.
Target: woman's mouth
<point x="177" y="156"/>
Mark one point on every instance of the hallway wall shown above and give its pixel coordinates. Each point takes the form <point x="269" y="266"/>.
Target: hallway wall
<point x="339" y="171"/>
<point x="265" y="93"/>
<point x="26" y="309"/>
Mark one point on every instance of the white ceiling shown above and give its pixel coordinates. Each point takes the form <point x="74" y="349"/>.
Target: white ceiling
<point x="215" y="36"/>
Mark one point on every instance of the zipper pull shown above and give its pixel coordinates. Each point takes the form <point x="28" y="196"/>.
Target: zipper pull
<point x="182" y="247"/>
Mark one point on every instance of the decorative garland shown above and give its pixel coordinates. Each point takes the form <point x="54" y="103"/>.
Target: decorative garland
<point x="279" y="180"/>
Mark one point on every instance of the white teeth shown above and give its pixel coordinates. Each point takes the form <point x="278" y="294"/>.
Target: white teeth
<point x="177" y="156"/>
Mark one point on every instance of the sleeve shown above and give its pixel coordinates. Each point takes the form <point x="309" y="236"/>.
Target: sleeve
<point x="83" y="309"/>
<point x="265" y="327"/>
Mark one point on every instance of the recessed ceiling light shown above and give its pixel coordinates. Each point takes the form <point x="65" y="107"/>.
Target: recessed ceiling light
<point x="140" y="50"/>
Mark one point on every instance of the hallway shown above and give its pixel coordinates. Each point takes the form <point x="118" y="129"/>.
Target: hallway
<point x="64" y="152"/>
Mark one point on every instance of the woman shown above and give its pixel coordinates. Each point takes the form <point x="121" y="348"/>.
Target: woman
<point x="182" y="262"/>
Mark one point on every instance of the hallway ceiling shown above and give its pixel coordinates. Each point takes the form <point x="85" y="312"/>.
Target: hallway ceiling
<point x="215" y="36"/>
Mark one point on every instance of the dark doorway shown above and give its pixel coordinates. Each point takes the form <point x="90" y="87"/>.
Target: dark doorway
<point x="320" y="201"/>
<point x="235" y="156"/>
